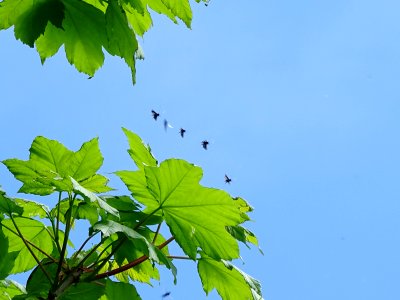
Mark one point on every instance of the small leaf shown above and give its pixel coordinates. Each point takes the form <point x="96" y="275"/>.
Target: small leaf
<point x="10" y="288"/>
<point x="84" y="290"/>
<point x="32" y="208"/>
<point x="180" y="8"/>
<point x="139" y="151"/>
<point x="110" y="227"/>
<point x="9" y="206"/>
<point x="93" y="198"/>
<point x="229" y="281"/>
<point x="120" y="290"/>
<point x="96" y="184"/>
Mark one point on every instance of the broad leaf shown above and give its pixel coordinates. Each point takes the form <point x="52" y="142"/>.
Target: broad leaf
<point x="84" y="36"/>
<point x="33" y="231"/>
<point x="197" y="216"/>
<point x="229" y="281"/>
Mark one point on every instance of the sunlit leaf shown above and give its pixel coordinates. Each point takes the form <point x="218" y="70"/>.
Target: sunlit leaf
<point x="139" y="151"/>
<point x="181" y="9"/>
<point x="9" y="289"/>
<point x="84" y="36"/>
<point x="229" y="281"/>
<point x="33" y="231"/>
<point x="197" y="216"/>
<point x="121" y="38"/>
<point x="9" y="206"/>
<point x="32" y="208"/>
<point x="93" y="198"/>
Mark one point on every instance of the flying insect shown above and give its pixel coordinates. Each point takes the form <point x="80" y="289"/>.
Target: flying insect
<point x="227" y="179"/>
<point x="205" y="144"/>
<point x="182" y="132"/>
<point x="155" y="114"/>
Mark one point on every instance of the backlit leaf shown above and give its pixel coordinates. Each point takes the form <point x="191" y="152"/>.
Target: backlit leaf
<point x="32" y="231"/>
<point x="229" y="281"/>
<point x="93" y="198"/>
<point x="139" y="151"/>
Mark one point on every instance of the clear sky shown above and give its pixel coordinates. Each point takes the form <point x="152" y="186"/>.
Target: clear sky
<point x="300" y="102"/>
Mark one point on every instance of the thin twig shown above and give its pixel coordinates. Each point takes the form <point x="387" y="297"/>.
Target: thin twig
<point x="30" y="250"/>
<point x="132" y="263"/>
<point x="83" y="245"/>
<point x="157" y="231"/>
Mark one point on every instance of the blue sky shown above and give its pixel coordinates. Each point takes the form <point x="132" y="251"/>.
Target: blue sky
<point x="300" y="101"/>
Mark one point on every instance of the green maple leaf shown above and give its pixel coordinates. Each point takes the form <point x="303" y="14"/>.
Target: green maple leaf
<point x="190" y="210"/>
<point x="51" y="165"/>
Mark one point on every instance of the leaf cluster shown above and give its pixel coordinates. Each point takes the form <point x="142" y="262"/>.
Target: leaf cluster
<point x="88" y="27"/>
<point x="206" y="223"/>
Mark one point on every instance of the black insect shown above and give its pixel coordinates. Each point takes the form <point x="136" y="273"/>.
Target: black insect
<point x="227" y="179"/>
<point x="155" y="114"/>
<point x="182" y="132"/>
<point x="205" y="144"/>
<point x="165" y="294"/>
